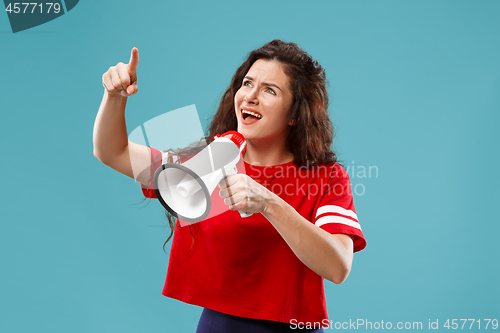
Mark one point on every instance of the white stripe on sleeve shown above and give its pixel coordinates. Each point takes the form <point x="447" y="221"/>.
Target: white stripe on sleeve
<point x="336" y="210"/>
<point x="337" y="219"/>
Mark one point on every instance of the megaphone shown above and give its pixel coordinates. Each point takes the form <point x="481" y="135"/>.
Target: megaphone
<point x="185" y="189"/>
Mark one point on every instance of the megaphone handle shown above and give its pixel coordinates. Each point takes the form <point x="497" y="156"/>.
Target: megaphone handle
<point x="233" y="172"/>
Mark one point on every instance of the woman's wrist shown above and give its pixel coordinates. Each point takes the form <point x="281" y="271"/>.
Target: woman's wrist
<point x="114" y="96"/>
<point x="272" y="204"/>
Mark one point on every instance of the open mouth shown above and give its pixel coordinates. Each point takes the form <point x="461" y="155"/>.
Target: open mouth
<point x="246" y="114"/>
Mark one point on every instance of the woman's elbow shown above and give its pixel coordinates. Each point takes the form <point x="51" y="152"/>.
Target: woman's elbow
<point x="341" y="269"/>
<point x="101" y="157"/>
<point x="97" y="154"/>
<point x="340" y="275"/>
<point x="341" y="265"/>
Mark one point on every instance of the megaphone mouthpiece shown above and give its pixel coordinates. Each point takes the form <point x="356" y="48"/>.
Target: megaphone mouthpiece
<point x="236" y="137"/>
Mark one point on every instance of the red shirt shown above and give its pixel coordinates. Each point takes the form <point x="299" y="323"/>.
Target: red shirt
<point x="242" y="266"/>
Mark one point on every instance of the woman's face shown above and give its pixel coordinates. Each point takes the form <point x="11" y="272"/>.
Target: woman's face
<point x="263" y="102"/>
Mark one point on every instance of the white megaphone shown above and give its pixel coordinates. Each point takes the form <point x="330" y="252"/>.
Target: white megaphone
<point x="185" y="189"/>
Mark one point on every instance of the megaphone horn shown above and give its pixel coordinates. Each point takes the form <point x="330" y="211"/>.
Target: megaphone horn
<point x="185" y="189"/>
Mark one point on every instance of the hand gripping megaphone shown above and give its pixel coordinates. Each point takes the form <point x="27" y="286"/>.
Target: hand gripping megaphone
<point x="185" y="189"/>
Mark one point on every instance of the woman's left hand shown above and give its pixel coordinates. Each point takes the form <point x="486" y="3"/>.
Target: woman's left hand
<point x="240" y="192"/>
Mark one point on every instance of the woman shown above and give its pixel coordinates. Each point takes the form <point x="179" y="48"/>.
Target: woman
<point x="263" y="273"/>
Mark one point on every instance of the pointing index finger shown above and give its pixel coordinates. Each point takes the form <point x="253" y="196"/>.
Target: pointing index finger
<point x="134" y="61"/>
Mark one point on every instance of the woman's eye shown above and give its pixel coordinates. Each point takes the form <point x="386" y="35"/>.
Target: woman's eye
<point x="247" y="83"/>
<point x="271" y="91"/>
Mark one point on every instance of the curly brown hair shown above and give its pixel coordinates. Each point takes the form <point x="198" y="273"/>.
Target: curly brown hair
<point x="310" y="138"/>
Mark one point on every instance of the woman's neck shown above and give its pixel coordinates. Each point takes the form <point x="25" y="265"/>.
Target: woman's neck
<point x="265" y="154"/>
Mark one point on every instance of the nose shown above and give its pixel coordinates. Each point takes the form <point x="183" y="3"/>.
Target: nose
<point x="251" y="97"/>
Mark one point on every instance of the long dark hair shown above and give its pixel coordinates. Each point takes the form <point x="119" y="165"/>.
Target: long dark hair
<point x="310" y="137"/>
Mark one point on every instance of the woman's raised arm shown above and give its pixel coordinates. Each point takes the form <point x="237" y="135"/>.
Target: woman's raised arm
<point x="111" y="145"/>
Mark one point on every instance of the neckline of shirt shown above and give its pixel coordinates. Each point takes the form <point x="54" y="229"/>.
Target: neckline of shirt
<point x="287" y="164"/>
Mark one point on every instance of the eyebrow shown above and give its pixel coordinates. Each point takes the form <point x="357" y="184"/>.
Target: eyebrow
<point x="264" y="83"/>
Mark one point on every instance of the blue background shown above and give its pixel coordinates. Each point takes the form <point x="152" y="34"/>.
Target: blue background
<point x="415" y="91"/>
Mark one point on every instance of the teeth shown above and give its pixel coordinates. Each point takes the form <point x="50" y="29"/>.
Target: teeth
<point x="252" y="113"/>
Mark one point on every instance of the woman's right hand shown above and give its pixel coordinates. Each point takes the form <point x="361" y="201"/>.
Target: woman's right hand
<point x="122" y="78"/>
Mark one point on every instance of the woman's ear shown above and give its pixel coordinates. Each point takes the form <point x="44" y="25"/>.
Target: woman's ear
<point x="292" y="122"/>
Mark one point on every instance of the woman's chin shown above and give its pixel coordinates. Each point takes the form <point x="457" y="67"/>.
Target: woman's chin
<point x="249" y="135"/>
<point x="245" y="132"/>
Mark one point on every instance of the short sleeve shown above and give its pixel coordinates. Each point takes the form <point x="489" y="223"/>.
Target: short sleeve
<point x="335" y="212"/>
<point x="157" y="159"/>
